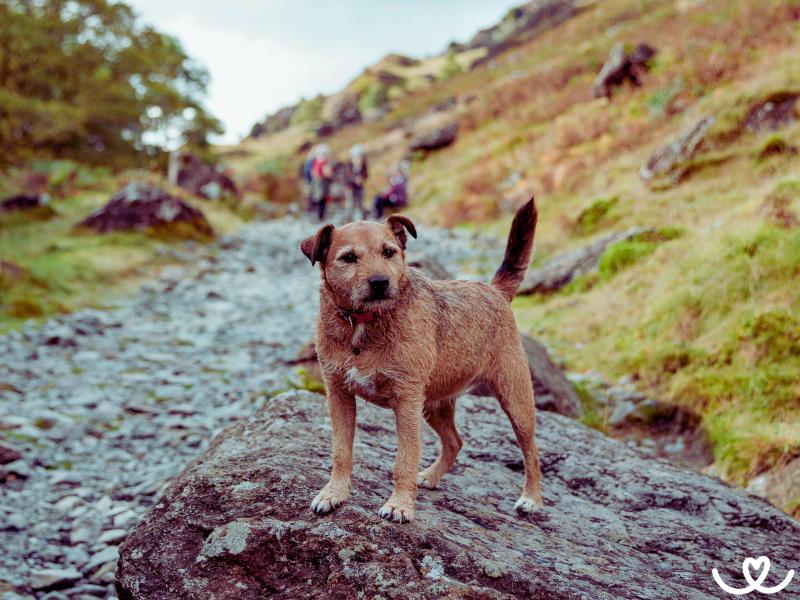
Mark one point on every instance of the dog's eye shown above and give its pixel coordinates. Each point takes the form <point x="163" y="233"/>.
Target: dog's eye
<point x="389" y="253"/>
<point x="350" y="257"/>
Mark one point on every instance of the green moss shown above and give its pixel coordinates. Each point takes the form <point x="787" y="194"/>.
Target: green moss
<point x="591" y="218"/>
<point x="306" y="381"/>
<point x="581" y="284"/>
<point x="593" y="415"/>
<point x="620" y="255"/>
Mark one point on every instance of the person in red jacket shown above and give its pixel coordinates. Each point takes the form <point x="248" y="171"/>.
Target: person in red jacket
<point x="321" y="177"/>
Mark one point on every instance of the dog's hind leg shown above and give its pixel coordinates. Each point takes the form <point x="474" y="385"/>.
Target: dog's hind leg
<point x="441" y="418"/>
<point x="512" y="384"/>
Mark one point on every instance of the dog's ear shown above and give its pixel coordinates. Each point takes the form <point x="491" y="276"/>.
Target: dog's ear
<point x="316" y="247"/>
<point x="399" y="224"/>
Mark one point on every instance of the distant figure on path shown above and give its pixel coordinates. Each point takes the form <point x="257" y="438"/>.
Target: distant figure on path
<point x="305" y="178"/>
<point x="395" y="197"/>
<point x="357" y="173"/>
<point x="321" y="176"/>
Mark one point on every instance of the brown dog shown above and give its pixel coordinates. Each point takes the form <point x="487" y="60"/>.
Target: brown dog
<point x="400" y="340"/>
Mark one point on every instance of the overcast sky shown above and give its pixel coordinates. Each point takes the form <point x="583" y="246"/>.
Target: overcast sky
<point x="265" y="54"/>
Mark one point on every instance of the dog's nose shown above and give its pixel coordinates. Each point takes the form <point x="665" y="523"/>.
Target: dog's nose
<point x="378" y="283"/>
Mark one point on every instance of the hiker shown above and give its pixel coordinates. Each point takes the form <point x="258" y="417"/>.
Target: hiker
<point x="357" y="174"/>
<point x="321" y="175"/>
<point x="395" y="197"/>
<point x="305" y="178"/>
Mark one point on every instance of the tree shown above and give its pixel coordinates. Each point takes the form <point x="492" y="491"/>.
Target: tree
<point x="83" y="79"/>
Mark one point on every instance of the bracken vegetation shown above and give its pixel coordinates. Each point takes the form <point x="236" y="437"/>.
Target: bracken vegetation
<point x="703" y="314"/>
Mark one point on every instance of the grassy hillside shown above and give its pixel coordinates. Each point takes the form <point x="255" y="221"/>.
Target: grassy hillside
<point x="48" y="267"/>
<point x="706" y="316"/>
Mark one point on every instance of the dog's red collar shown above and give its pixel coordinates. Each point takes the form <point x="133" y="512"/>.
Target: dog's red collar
<point x="354" y="317"/>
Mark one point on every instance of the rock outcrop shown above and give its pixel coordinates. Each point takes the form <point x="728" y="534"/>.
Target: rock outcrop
<point x="204" y="180"/>
<point x="622" y="66"/>
<point x="23" y="202"/>
<point x="34" y="206"/>
<point x="236" y="523"/>
<point x="670" y="161"/>
<point x="519" y="25"/>
<point x="774" y="112"/>
<point x="141" y="207"/>
<point x="435" y="131"/>
<point x="278" y="121"/>
<point x="781" y="486"/>
<point x="562" y="269"/>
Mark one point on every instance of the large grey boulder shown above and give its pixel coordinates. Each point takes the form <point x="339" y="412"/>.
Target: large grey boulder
<point x="236" y="524"/>
<point x="562" y="269"/>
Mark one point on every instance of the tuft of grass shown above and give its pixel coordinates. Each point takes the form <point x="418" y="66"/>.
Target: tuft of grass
<point x="621" y="255"/>
<point x="593" y="415"/>
<point x="774" y="145"/>
<point x="306" y="381"/>
<point x="590" y="219"/>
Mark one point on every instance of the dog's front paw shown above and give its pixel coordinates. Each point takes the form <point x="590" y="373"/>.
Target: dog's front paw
<point x="527" y="504"/>
<point x="329" y="497"/>
<point x="399" y="512"/>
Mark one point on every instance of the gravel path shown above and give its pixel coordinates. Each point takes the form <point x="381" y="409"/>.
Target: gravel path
<point x="106" y="407"/>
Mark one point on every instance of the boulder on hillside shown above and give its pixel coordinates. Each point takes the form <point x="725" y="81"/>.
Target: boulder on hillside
<point x="274" y="123"/>
<point x="142" y="207"/>
<point x="428" y="264"/>
<point x="774" y="112"/>
<point x="519" y="25"/>
<point x="204" y="180"/>
<point x="237" y="525"/>
<point x="781" y="486"/>
<point x="342" y="109"/>
<point x="562" y="269"/>
<point x="670" y="161"/>
<point x="35" y="205"/>
<point x="622" y="66"/>
<point x="22" y="202"/>
<point x="435" y="131"/>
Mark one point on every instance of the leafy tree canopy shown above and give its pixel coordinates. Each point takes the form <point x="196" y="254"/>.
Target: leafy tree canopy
<point x="84" y="79"/>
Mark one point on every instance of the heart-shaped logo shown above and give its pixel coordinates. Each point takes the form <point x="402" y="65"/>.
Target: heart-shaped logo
<point x="761" y="566"/>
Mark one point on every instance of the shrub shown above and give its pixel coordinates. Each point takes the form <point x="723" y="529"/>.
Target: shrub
<point x="451" y="67"/>
<point x="375" y="96"/>
<point x="308" y="111"/>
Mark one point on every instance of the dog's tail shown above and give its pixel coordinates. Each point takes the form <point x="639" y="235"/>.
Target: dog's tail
<point x="518" y="251"/>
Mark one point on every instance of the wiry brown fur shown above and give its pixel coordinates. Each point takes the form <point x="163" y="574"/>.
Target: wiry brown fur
<point x="432" y="340"/>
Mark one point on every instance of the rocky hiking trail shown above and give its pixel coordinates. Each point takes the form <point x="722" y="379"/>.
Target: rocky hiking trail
<point x="104" y="410"/>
